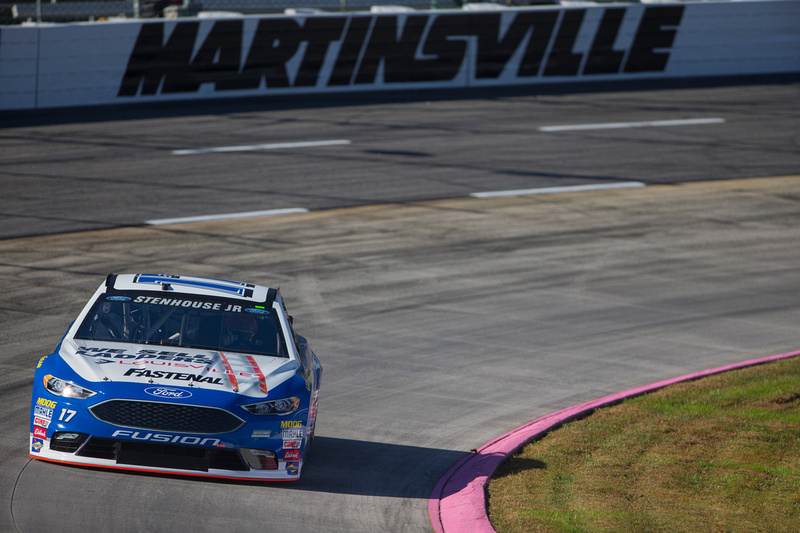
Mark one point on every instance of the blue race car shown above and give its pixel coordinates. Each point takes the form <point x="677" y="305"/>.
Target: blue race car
<point x="180" y="375"/>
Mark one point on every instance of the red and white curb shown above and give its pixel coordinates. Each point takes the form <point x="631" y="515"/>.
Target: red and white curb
<point x="458" y="502"/>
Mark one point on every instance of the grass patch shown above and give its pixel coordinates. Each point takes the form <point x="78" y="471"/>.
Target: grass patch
<point x="720" y="453"/>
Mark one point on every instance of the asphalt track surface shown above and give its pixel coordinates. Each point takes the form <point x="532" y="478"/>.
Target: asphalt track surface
<point x="119" y="167"/>
<point x="442" y="320"/>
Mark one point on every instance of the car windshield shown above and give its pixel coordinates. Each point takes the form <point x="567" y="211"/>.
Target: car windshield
<point x="188" y="321"/>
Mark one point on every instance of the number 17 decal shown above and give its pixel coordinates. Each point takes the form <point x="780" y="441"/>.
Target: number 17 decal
<point x="66" y="415"/>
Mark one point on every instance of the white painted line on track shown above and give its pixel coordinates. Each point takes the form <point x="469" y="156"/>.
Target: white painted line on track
<point x="622" y="125"/>
<point x="256" y="147"/>
<point x="554" y="190"/>
<point x="228" y="216"/>
<point x="298" y="210"/>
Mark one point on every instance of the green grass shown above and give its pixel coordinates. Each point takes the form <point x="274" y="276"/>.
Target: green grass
<point x="717" y="454"/>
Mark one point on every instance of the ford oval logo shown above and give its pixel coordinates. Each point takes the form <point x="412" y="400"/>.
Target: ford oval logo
<point x="166" y="392"/>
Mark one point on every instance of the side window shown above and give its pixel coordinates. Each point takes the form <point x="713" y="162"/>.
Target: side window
<point x="268" y="338"/>
<point x="302" y="351"/>
<point x="104" y="323"/>
<point x="112" y="321"/>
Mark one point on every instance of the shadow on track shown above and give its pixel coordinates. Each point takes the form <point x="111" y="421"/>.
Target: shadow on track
<point x="225" y="106"/>
<point x="343" y="466"/>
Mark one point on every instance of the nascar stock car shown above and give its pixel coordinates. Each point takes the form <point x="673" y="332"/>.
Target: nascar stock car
<point x="181" y="375"/>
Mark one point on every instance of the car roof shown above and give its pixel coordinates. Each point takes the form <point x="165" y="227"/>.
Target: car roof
<point x="191" y="285"/>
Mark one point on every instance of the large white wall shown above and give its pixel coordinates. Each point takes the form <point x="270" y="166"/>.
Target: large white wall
<point x="57" y="65"/>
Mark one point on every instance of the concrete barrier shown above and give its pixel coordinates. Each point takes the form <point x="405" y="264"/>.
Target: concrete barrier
<point x="121" y="62"/>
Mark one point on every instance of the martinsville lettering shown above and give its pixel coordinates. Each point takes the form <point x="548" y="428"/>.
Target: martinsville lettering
<point x="360" y="50"/>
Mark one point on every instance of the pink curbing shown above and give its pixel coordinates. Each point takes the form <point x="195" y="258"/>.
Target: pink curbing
<point x="458" y="502"/>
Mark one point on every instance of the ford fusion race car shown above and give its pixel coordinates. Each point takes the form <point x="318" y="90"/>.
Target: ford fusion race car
<point x="179" y="375"/>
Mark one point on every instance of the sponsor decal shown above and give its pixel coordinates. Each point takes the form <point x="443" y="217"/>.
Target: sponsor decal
<point x="291" y="455"/>
<point x="46" y="403"/>
<point x="261" y="433"/>
<point x="118" y="299"/>
<point x="178" y="376"/>
<point x="291" y="424"/>
<point x="312" y="412"/>
<point x="41" y="360"/>
<point x="292" y="467"/>
<point x="165" y="392"/>
<point x="42" y="412"/>
<point x="291" y="434"/>
<point x="358" y="51"/>
<point x="37" y="445"/>
<point x="257" y="311"/>
<point x="39" y="421"/>
<point x="39" y="432"/>
<point x="292" y="444"/>
<point x="104" y="356"/>
<point x="155" y="356"/>
<point x="168" y="438"/>
<point x="148" y="362"/>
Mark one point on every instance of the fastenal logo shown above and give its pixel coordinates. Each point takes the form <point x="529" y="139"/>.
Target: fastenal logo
<point x="166" y="392"/>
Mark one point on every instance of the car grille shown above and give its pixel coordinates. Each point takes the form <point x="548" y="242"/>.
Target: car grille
<point x="171" y="417"/>
<point x="159" y="455"/>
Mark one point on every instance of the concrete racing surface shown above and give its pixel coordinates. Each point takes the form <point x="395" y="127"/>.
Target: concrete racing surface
<point x="442" y="320"/>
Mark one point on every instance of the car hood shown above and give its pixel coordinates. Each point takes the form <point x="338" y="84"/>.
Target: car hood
<point x="250" y="375"/>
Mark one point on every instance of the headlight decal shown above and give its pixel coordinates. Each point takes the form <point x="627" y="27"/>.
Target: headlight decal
<point x="282" y="407"/>
<point x="67" y="389"/>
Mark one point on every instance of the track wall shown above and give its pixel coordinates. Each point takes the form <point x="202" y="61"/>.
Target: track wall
<point x="134" y="61"/>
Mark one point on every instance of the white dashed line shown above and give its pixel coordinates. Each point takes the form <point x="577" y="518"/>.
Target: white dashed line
<point x="256" y="147"/>
<point x="554" y="190"/>
<point x="297" y="210"/>
<point x="228" y="216"/>
<point x="622" y="125"/>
